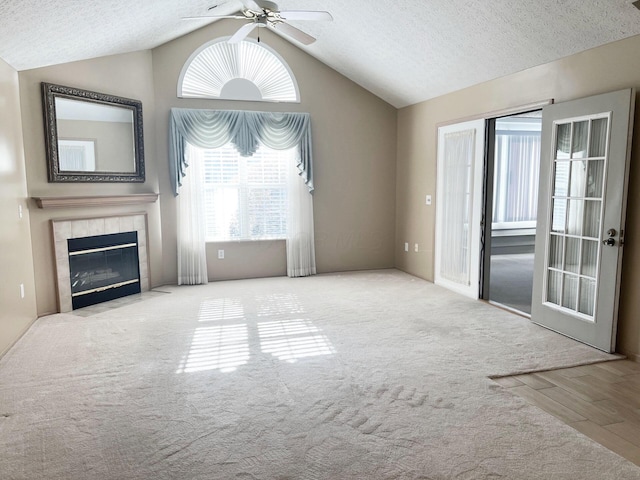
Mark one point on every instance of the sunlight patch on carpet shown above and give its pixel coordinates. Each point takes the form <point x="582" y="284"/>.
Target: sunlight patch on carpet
<point x="224" y="348"/>
<point x="288" y="340"/>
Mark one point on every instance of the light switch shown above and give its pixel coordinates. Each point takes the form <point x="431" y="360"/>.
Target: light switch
<point x="428" y="200"/>
<point x="406" y="246"/>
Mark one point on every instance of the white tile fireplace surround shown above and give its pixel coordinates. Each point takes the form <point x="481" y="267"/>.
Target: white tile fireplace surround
<point x="63" y="230"/>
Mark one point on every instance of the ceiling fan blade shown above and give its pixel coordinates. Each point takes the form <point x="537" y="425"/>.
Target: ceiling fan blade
<point x="251" y="5"/>
<point x="242" y="33"/>
<point x="293" y="32"/>
<point x="200" y="17"/>
<point x="305" y="15"/>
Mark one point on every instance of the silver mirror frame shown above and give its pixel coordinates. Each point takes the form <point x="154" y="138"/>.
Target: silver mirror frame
<point x="50" y="92"/>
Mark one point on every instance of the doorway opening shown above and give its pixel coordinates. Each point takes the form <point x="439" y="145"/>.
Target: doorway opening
<point x="512" y="168"/>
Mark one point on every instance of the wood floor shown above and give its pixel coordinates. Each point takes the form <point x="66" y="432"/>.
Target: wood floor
<point x="601" y="400"/>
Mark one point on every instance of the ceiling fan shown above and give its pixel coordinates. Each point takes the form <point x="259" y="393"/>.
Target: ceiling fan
<point x="262" y="13"/>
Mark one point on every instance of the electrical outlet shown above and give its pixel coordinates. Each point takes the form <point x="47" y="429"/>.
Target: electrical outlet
<point x="428" y="200"/>
<point x="415" y="247"/>
<point x="19" y="211"/>
<point x="406" y="246"/>
<point x="22" y="290"/>
<point x="220" y="254"/>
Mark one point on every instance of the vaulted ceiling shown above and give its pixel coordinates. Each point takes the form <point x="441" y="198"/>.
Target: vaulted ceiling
<point x="404" y="51"/>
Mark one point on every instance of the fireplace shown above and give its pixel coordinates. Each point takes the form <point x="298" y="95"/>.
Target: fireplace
<point x="100" y="277"/>
<point x="103" y="267"/>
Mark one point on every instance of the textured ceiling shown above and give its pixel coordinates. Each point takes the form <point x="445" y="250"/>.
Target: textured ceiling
<point x="404" y="51"/>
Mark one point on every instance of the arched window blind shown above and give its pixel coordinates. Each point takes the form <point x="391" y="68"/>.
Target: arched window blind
<point x="237" y="71"/>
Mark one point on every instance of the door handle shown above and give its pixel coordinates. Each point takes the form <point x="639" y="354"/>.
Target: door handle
<point x="609" y="242"/>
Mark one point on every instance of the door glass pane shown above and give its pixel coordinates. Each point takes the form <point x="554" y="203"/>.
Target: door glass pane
<point x="589" y="257"/>
<point x="574" y="217"/>
<point x="559" y="215"/>
<point x="587" y="296"/>
<point x="592" y="218"/>
<point x="561" y="179"/>
<point x="554" y="286"/>
<point x="555" y="251"/>
<point x="572" y="255"/>
<point x="580" y="138"/>
<point x="578" y="175"/>
<point x="598" y="137"/>
<point x="570" y="291"/>
<point x="563" y="141"/>
<point x="595" y="179"/>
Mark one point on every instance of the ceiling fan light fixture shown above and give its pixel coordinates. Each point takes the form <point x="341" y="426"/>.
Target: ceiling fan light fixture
<point x="264" y="13"/>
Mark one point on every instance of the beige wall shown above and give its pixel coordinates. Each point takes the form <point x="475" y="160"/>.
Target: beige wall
<point x="16" y="264"/>
<point x="128" y="75"/>
<point x="266" y="258"/>
<point x="611" y="67"/>
<point x="354" y="136"/>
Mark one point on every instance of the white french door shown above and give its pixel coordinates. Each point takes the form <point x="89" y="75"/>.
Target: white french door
<point x="581" y="214"/>
<point x="459" y="206"/>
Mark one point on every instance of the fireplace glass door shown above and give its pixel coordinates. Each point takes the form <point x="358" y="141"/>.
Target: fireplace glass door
<point x="103" y="268"/>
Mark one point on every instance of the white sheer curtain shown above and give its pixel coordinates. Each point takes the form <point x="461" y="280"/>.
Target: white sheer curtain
<point x="456" y="197"/>
<point x="516" y="178"/>
<point x="280" y="131"/>
<point x="301" y="256"/>
<point x="192" y="256"/>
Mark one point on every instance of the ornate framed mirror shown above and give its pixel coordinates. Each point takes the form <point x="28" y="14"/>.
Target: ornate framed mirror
<point x="92" y="137"/>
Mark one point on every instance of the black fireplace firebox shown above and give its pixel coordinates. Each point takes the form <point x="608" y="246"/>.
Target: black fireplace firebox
<point x="103" y="268"/>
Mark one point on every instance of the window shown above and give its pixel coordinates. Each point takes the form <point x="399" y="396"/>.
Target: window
<point x="238" y="71"/>
<point x="77" y="155"/>
<point x="245" y="198"/>
<point x="517" y="165"/>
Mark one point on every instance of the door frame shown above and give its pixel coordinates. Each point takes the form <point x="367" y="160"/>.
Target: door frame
<point x="485" y="117"/>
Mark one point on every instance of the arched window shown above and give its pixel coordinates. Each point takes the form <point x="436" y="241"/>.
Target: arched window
<point x="247" y="70"/>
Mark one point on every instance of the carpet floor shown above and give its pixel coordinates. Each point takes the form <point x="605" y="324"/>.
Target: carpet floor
<point x="365" y="375"/>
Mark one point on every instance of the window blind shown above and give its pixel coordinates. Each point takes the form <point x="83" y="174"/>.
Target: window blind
<point x="246" y="197"/>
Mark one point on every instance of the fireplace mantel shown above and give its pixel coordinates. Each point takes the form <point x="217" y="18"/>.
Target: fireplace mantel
<point x="95" y="200"/>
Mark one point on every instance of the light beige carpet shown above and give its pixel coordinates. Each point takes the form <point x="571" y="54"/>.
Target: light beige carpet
<point x="373" y="375"/>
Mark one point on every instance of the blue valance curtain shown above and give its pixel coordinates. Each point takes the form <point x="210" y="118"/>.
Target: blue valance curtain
<point x="245" y="130"/>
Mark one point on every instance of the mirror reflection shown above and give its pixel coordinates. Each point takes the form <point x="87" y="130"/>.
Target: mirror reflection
<point x="92" y="137"/>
